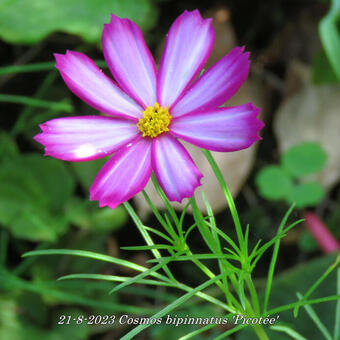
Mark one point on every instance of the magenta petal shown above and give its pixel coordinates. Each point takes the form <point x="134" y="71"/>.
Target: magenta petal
<point x="85" y="137"/>
<point x="130" y="60"/>
<point x="187" y="48"/>
<point x="89" y="83"/>
<point x="216" y="85"/>
<point x="220" y="129"/>
<point x="174" y="168"/>
<point x="124" y="175"/>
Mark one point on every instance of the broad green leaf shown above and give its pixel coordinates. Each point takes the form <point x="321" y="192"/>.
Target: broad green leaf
<point x="273" y="183"/>
<point x="8" y="147"/>
<point x="9" y="323"/>
<point x="28" y="22"/>
<point x="322" y="71"/>
<point x="16" y="325"/>
<point x="304" y="159"/>
<point x="72" y="331"/>
<point x="53" y="177"/>
<point x="329" y="34"/>
<point x="87" y="215"/>
<point x="307" y="242"/>
<point x="87" y="171"/>
<point x="107" y="219"/>
<point x="306" y="194"/>
<point x="33" y="193"/>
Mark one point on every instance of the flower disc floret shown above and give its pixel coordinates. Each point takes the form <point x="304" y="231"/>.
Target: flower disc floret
<point x="155" y="121"/>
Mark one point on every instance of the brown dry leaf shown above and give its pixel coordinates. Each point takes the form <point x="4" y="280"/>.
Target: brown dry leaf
<point x="235" y="166"/>
<point x="311" y="114"/>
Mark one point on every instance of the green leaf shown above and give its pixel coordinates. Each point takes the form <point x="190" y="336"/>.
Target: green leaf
<point x="14" y="325"/>
<point x="304" y="159"/>
<point x="307" y="242"/>
<point x="322" y="71"/>
<point x="33" y="194"/>
<point x="8" y="147"/>
<point x="87" y="215"/>
<point x="319" y="324"/>
<point x="28" y="22"/>
<point x="107" y="219"/>
<point x="329" y="34"/>
<point x="273" y="183"/>
<point x="53" y="178"/>
<point x="291" y="332"/>
<point x="87" y="171"/>
<point x="300" y="278"/>
<point x="306" y="194"/>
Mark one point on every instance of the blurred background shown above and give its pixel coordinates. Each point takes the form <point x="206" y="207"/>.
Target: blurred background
<point x="294" y="79"/>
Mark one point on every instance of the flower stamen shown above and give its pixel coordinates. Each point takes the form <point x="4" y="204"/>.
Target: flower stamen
<point x="155" y="121"/>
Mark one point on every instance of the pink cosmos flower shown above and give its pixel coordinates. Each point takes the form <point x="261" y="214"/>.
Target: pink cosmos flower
<point x="149" y="109"/>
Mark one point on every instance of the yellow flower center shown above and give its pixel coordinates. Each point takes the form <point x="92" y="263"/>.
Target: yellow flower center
<point x="155" y="121"/>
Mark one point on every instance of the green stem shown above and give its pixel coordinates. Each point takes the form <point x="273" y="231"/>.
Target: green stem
<point x="21" y="122"/>
<point x="228" y="196"/>
<point x="37" y="67"/>
<point x="223" y="288"/>
<point x="53" y="106"/>
<point x="261" y="334"/>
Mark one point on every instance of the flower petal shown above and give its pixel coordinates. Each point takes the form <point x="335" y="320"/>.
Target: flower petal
<point x="85" y="137"/>
<point x="216" y="85"/>
<point x="124" y="175"/>
<point x="130" y="60"/>
<point x="89" y="83"/>
<point x="187" y="48"/>
<point x="220" y="129"/>
<point x="174" y="168"/>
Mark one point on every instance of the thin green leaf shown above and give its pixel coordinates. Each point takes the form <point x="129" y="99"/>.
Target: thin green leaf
<point x="180" y="226"/>
<point x="164" y="199"/>
<point x="49" y="289"/>
<point x="154" y="246"/>
<point x="230" y="331"/>
<point x="139" y="276"/>
<point x="316" y="319"/>
<point x="222" y="264"/>
<point x="337" y="310"/>
<point x="246" y="240"/>
<point x="195" y="257"/>
<point x="171" y="307"/>
<point x="159" y="233"/>
<point x="240" y="290"/>
<point x="302" y="303"/>
<point x="227" y="195"/>
<point x="202" y="227"/>
<point x="197" y="332"/>
<point x="191" y="228"/>
<point x="169" y="229"/>
<point x="254" y="251"/>
<point x="272" y="265"/>
<point x="318" y="282"/>
<point x="272" y="241"/>
<point x="146" y="236"/>
<point x="96" y="256"/>
<point x="291" y="332"/>
<point x="127" y="264"/>
<point x="113" y="278"/>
